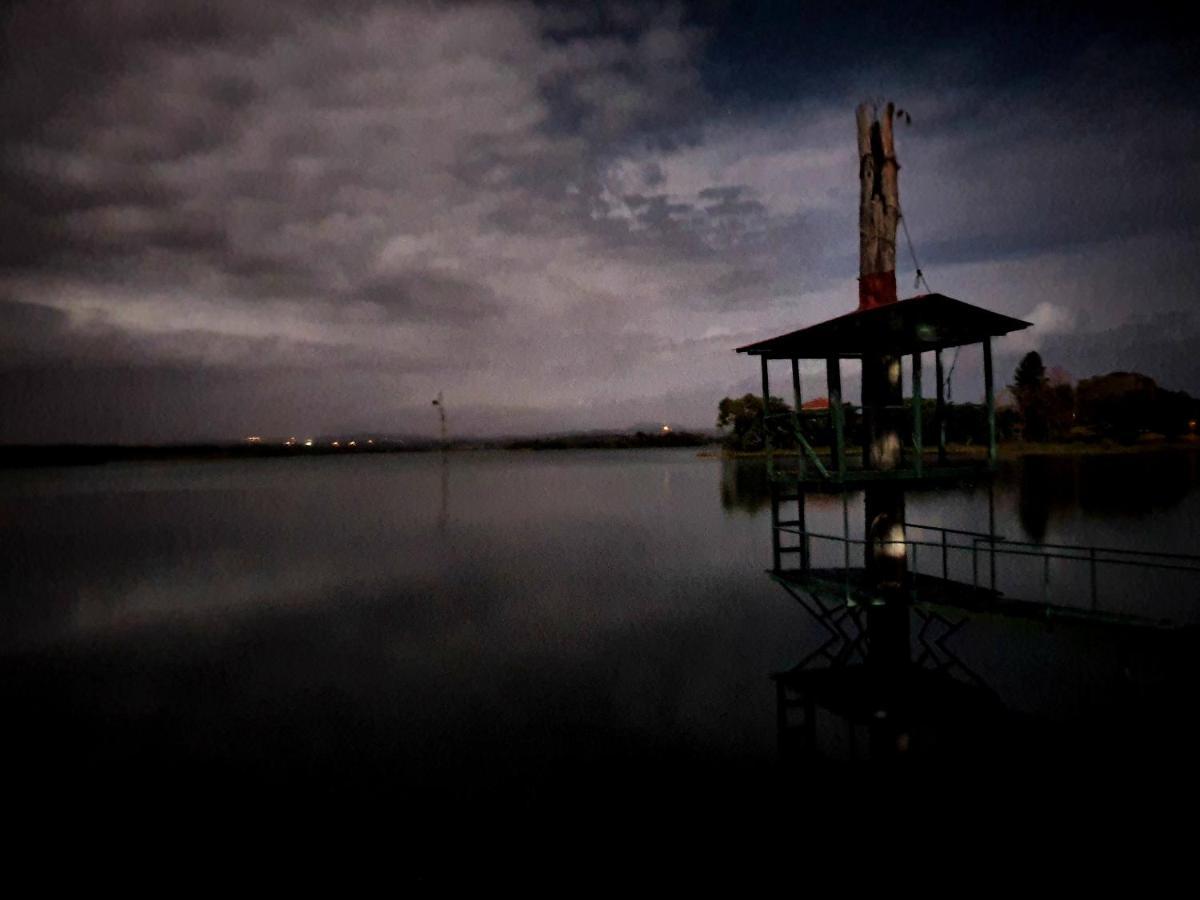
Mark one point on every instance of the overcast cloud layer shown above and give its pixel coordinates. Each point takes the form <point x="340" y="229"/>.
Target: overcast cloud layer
<point x="221" y="218"/>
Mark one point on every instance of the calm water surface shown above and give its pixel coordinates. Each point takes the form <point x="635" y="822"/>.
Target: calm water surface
<point x="486" y="623"/>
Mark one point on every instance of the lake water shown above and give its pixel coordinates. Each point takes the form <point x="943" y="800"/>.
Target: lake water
<point x="494" y="624"/>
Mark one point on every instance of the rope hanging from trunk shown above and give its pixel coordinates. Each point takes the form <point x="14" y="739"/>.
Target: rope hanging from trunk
<point x="917" y="282"/>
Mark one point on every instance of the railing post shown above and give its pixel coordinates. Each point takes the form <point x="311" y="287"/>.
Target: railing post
<point x="945" y="558"/>
<point x="918" y="438"/>
<point x="992" y="528"/>
<point x="1095" y="591"/>
<point x="940" y="407"/>
<point x="846" y="537"/>
<point x="766" y="401"/>
<point x="775" y="554"/>
<point x="801" y="517"/>
<point x="914" y="572"/>
<point x="1046" y="579"/>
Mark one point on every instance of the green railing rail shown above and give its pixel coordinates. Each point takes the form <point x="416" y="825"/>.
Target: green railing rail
<point x="977" y="544"/>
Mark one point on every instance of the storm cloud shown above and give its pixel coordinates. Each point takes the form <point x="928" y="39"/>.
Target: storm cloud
<point x="221" y="218"/>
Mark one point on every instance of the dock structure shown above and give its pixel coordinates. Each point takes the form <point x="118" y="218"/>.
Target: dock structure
<point x="867" y="593"/>
<point x="880" y="335"/>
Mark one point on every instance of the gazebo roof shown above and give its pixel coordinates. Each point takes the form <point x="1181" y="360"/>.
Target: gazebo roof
<point x="927" y="322"/>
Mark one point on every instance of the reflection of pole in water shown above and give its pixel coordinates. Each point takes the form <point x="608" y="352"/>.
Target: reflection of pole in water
<point x="444" y="514"/>
<point x="441" y="405"/>
<point x="888" y="666"/>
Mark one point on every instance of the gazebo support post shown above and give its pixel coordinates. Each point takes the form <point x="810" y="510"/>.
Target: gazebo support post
<point x="797" y="420"/>
<point x="766" y="413"/>
<point x="766" y="420"/>
<point x="918" y="441"/>
<point x="939" y="410"/>
<point x="833" y="373"/>
<point x="990" y="399"/>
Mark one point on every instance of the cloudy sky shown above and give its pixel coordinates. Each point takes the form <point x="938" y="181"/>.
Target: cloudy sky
<point x="220" y="218"/>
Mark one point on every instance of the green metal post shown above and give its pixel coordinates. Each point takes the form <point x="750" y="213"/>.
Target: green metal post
<point x="766" y="399"/>
<point x="801" y="518"/>
<point x="1095" y="593"/>
<point x="833" y="374"/>
<point x="940" y="407"/>
<point x="797" y="420"/>
<point x="775" y="566"/>
<point x="991" y="401"/>
<point x="918" y="439"/>
<point x="992" y="534"/>
<point x="846" y="543"/>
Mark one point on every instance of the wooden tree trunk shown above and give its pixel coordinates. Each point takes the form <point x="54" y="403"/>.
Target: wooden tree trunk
<point x="879" y="208"/>
<point x="882" y="394"/>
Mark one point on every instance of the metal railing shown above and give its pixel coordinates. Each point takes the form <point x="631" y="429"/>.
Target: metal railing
<point x="978" y="544"/>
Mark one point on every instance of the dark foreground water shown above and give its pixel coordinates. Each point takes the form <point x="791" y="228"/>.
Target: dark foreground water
<point x="445" y="638"/>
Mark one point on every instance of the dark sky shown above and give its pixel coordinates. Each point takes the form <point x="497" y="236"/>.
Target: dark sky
<point x="222" y="218"/>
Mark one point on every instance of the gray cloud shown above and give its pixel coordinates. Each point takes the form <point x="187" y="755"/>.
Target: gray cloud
<point x="1161" y="345"/>
<point x="538" y="207"/>
<point x="430" y="295"/>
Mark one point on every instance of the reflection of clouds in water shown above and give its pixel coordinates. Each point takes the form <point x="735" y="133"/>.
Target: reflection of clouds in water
<point x="563" y="611"/>
<point x="543" y="546"/>
<point x="547" y="546"/>
<point x="202" y="599"/>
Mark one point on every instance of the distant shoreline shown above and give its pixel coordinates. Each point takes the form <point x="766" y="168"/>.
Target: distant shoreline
<point x="33" y="456"/>
<point x="30" y="456"/>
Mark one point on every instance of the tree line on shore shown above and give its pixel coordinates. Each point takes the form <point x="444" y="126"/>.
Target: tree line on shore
<point x="1041" y="406"/>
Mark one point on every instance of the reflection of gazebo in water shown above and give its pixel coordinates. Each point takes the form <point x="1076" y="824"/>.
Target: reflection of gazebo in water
<point x="870" y="670"/>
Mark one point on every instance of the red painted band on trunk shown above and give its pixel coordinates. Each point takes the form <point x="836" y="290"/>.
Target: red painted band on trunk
<point x="878" y="289"/>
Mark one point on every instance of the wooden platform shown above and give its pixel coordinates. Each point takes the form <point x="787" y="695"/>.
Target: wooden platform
<point x="928" y="591"/>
